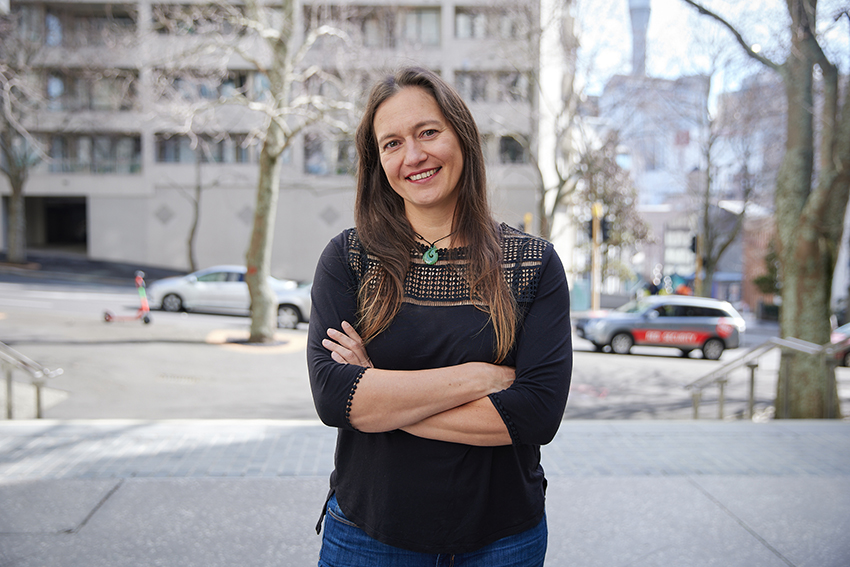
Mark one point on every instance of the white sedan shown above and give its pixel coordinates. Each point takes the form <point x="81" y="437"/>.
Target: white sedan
<point x="222" y="289"/>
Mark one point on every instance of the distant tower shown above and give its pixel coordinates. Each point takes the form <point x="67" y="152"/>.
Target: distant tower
<point x="639" y="10"/>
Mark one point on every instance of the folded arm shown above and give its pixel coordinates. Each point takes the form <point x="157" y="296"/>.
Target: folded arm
<point x="448" y="403"/>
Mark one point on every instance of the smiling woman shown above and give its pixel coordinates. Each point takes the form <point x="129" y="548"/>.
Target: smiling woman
<point x="421" y="157"/>
<point x="444" y="369"/>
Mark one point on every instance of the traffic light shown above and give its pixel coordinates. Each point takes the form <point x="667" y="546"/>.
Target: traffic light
<point x="604" y="226"/>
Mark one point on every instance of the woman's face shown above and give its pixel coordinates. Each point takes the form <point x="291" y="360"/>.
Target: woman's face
<point x="420" y="152"/>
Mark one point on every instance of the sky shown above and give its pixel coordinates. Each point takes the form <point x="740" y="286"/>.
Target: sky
<point x="679" y="40"/>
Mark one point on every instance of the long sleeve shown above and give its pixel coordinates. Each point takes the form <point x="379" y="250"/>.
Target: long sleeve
<point x="334" y="298"/>
<point x="533" y="406"/>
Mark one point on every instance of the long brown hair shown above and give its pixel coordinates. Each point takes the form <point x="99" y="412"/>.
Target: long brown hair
<point x="386" y="233"/>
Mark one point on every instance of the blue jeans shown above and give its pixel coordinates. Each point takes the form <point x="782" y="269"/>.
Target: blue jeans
<point x="346" y="545"/>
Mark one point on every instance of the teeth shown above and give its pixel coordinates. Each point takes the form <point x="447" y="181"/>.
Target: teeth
<point x="423" y="175"/>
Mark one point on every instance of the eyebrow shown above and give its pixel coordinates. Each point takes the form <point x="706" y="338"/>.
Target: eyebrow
<point x="416" y="126"/>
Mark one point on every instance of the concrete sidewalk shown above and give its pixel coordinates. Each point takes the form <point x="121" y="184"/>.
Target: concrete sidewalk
<point x="248" y="492"/>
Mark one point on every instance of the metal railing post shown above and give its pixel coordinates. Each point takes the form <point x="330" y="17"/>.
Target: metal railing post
<point x="829" y="372"/>
<point x="37" y="399"/>
<point x="751" y="406"/>
<point x="8" y="392"/>
<point x="695" y="396"/>
<point x="721" y="398"/>
<point x="785" y="375"/>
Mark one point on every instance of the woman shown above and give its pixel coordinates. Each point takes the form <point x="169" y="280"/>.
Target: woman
<point x="443" y="367"/>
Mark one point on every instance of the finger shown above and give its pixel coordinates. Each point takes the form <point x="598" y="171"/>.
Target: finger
<point x="344" y="339"/>
<point x="351" y="332"/>
<point x="342" y="353"/>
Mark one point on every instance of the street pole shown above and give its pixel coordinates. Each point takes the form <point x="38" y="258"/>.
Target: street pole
<point x="596" y="260"/>
<point x="698" y="269"/>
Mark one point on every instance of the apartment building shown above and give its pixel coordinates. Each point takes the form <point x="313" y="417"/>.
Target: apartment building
<point x="122" y="171"/>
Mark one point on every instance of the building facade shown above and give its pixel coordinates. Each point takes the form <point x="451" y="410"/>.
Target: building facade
<point x="124" y="178"/>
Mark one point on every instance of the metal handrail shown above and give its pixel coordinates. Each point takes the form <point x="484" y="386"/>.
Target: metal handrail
<point x="719" y="376"/>
<point x="12" y="360"/>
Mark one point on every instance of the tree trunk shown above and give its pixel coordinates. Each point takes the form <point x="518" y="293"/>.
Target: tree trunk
<point x="16" y="244"/>
<point x="258" y="257"/>
<point x="807" y="265"/>
<point x="196" y="214"/>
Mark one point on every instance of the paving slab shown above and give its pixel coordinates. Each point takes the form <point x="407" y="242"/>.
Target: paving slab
<point x="249" y="492"/>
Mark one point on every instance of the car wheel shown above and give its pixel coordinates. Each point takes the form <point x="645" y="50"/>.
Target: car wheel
<point x="712" y="349"/>
<point x="288" y="316"/>
<point x="622" y="343"/>
<point x="172" y="302"/>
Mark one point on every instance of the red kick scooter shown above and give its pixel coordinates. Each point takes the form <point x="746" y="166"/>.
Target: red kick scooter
<point x="144" y="312"/>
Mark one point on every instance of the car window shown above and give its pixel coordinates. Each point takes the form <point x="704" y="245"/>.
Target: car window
<point x="666" y="310"/>
<point x="235" y="277"/>
<point x="213" y="277"/>
<point x="632" y="307"/>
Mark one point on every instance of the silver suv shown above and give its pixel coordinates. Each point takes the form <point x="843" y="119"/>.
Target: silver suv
<point x="678" y="321"/>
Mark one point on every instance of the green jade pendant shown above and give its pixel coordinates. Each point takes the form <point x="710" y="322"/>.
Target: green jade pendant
<point x="430" y="256"/>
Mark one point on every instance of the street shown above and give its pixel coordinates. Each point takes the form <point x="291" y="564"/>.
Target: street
<point x="190" y="365"/>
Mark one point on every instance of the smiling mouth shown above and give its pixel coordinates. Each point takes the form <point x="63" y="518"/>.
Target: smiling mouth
<point x="424" y="174"/>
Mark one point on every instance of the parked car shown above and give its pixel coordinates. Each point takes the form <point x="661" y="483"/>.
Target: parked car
<point x="683" y="322"/>
<point x="222" y="289"/>
<point x="841" y="338"/>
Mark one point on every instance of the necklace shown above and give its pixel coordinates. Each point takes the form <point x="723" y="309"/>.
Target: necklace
<point x="430" y="256"/>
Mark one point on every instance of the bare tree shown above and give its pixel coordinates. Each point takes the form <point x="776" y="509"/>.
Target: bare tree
<point x="811" y="197"/>
<point x="42" y="84"/>
<point x="289" y="111"/>
<point x="21" y="97"/>
<point x="300" y="90"/>
<point x="730" y="150"/>
<point x="603" y="180"/>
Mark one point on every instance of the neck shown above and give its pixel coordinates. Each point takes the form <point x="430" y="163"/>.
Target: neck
<point x="432" y="228"/>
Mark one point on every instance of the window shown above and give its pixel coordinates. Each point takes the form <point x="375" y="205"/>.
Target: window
<point x="315" y="162"/>
<point x="422" y="27"/>
<point x="346" y="157"/>
<point x="214" y="277"/>
<point x="97" y="153"/>
<point x="200" y="87"/>
<point x="260" y="87"/>
<point x="509" y="26"/>
<point x="176" y="148"/>
<point x="55" y="92"/>
<point x="323" y="156"/>
<point x="511" y="151"/>
<point x="513" y="86"/>
<point x="378" y="27"/>
<point x="81" y="25"/>
<point x="472" y="86"/>
<point x="53" y="30"/>
<point x="470" y="24"/>
<point x="92" y="91"/>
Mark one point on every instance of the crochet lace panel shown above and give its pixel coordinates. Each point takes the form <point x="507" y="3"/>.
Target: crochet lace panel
<point x="444" y="283"/>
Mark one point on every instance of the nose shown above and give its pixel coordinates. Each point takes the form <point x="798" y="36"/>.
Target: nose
<point x="413" y="153"/>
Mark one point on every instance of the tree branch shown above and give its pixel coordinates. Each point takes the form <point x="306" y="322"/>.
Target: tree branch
<point x="734" y="31"/>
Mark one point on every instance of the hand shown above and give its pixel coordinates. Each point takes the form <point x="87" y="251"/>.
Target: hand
<point x="347" y="347"/>
<point x="499" y="377"/>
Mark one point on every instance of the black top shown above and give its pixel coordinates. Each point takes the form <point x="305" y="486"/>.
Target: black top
<point x="434" y="496"/>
